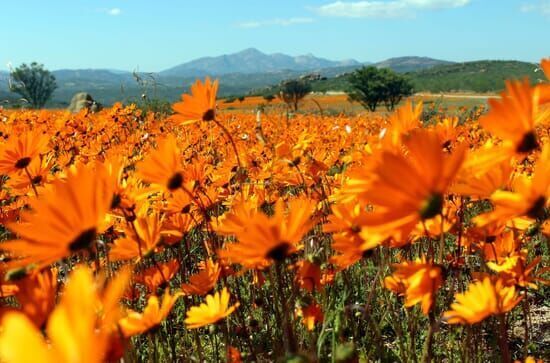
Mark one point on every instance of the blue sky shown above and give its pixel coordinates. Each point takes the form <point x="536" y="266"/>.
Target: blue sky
<point x="153" y="35"/>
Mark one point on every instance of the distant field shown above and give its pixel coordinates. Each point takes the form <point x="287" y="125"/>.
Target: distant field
<point x="339" y="102"/>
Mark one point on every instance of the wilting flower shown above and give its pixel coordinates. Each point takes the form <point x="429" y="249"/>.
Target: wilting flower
<point x="418" y="281"/>
<point x="158" y="275"/>
<point x="204" y="281"/>
<point x="311" y="315"/>
<point x="308" y="275"/>
<point x="141" y="239"/>
<point x="216" y="308"/>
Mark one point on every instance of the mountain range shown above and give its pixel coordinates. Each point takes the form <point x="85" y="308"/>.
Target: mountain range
<point x="250" y="61"/>
<point x="239" y="73"/>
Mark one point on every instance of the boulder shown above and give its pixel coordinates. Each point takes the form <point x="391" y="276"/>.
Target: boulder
<point x="83" y="100"/>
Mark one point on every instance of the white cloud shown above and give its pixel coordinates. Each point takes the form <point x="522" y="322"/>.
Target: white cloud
<point x="364" y="9"/>
<point x="542" y="7"/>
<point x="385" y="9"/>
<point x="113" y="11"/>
<point x="437" y="4"/>
<point x="272" y="22"/>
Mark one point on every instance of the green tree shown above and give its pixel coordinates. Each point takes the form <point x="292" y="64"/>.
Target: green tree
<point x="397" y="87"/>
<point x="34" y="83"/>
<point x="293" y="91"/>
<point x="372" y="86"/>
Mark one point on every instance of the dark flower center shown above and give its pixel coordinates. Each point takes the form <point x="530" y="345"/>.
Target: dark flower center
<point x="23" y="163"/>
<point x="37" y="179"/>
<point x="83" y="240"/>
<point x="279" y="252"/>
<point x="367" y="253"/>
<point x="432" y="206"/>
<point x="537" y="209"/>
<point x="528" y="143"/>
<point x="209" y="115"/>
<point x="115" y="202"/>
<point x="175" y="181"/>
<point x="490" y="239"/>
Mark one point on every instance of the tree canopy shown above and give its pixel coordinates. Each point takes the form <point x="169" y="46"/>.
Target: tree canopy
<point x="34" y="83"/>
<point x="372" y="86"/>
<point x="293" y="91"/>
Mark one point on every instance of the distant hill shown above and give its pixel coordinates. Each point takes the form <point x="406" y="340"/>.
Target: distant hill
<point x="252" y="61"/>
<point x="410" y="64"/>
<point x="479" y="76"/>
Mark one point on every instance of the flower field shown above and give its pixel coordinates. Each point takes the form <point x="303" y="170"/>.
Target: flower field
<point x="219" y="236"/>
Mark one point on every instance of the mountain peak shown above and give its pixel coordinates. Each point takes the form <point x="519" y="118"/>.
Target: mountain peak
<point x="251" y="60"/>
<point x="250" y="51"/>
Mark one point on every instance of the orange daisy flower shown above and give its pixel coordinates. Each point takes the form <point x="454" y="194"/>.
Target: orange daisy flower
<point x="163" y="166"/>
<point x="264" y="240"/>
<point x="36" y="175"/>
<point x="200" y="105"/>
<point x="545" y="87"/>
<point x="37" y="295"/>
<point x="409" y="188"/>
<point x="79" y="329"/>
<point x="513" y="118"/>
<point x="65" y="219"/>
<point x="405" y="119"/>
<point x="20" y="150"/>
<point x="530" y="196"/>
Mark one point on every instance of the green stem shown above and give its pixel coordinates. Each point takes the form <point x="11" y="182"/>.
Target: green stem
<point x="288" y="335"/>
<point x="427" y="354"/>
